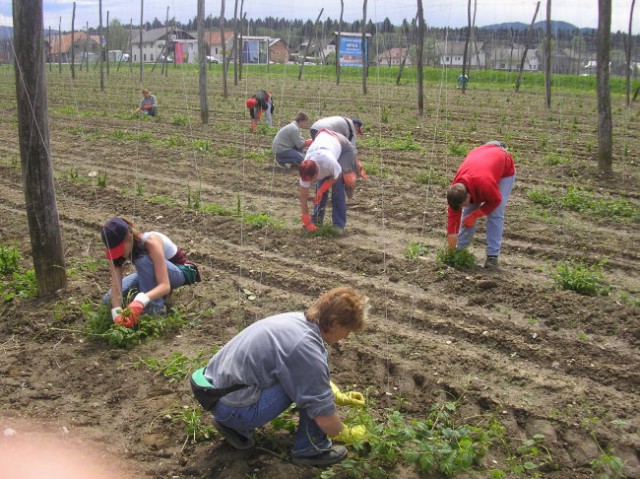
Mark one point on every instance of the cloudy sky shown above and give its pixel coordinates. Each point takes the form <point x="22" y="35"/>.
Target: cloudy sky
<point x="582" y="13"/>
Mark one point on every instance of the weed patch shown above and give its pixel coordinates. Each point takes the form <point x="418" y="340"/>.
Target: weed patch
<point x="457" y="258"/>
<point x="583" y="279"/>
<point x="415" y="250"/>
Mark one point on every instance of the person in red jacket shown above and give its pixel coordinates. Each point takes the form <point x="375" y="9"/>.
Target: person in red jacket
<point x="481" y="187"/>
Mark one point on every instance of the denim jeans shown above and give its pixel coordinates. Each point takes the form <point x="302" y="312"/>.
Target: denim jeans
<point x="290" y="156"/>
<point x="495" y="220"/>
<point x="309" y="440"/>
<point x="338" y="204"/>
<point x="144" y="279"/>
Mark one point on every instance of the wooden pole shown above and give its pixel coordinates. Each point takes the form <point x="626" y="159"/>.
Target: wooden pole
<point x="224" y="51"/>
<point x="100" y="49"/>
<point x="363" y="47"/>
<point x="466" y="48"/>
<point x="202" y="57"/>
<point x="306" y="52"/>
<point x="235" y="43"/>
<point x="244" y="19"/>
<point x="60" y="45"/>
<point x="629" y="50"/>
<point x="420" y="52"/>
<point x="50" y="56"/>
<point x="526" y="47"/>
<point x="106" y="45"/>
<point x="86" y="47"/>
<point x="73" y="42"/>
<point x="131" y="45"/>
<point x="605" y="122"/>
<point x="165" y="64"/>
<point x="547" y="57"/>
<point x="141" y="21"/>
<point x="338" y="43"/>
<point x="33" y="133"/>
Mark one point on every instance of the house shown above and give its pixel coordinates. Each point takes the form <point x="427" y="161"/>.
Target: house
<point x="255" y="49"/>
<point x="394" y="57"/>
<point x="213" y="41"/>
<point x="508" y="58"/>
<point x="61" y="47"/>
<point x="278" y="51"/>
<point x="157" y="42"/>
<point x="451" y="54"/>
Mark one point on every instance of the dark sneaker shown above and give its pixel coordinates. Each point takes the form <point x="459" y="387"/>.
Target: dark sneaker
<point x="280" y="165"/>
<point x="233" y="437"/>
<point x="326" y="458"/>
<point x="491" y="262"/>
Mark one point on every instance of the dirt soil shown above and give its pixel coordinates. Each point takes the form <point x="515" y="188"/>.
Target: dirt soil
<point x="510" y="343"/>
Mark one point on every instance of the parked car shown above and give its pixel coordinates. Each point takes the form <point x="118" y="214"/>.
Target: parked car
<point x="169" y="59"/>
<point x="212" y="59"/>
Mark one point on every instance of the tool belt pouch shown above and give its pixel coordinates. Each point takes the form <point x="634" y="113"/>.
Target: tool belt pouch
<point x="205" y="393"/>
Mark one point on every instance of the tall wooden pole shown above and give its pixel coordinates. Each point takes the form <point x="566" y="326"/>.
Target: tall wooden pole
<point x="547" y="57"/>
<point x="101" y="51"/>
<point x="526" y="47"/>
<point x="86" y="46"/>
<point x="338" y="43"/>
<point x="141" y="20"/>
<point x="306" y="51"/>
<point x="235" y="43"/>
<point x="165" y="64"/>
<point x="60" y="45"/>
<point x="629" y="50"/>
<point x="106" y="44"/>
<point x="73" y="42"/>
<point x="420" y="54"/>
<point x="365" y="60"/>
<point x="466" y="48"/>
<point x="224" y="52"/>
<point x="202" y="57"/>
<point x="50" y="56"/>
<point x="605" y="123"/>
<point x="33" y="132"/>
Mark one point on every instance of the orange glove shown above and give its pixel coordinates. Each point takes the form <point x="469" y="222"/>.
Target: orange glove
<point x="307" y="143"/>
<point x="363" y="174"/>
<point x="470" y="220"/>
<point x="349" y="180"/>
<point x="322" y="190"/>
<point x="129" y="317"/>
<point x="306" y="220"/>
<point x="452" y="241"/>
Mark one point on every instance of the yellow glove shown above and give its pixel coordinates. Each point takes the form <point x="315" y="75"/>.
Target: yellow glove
<point x="351" y="398"/>
<point x="349" y="435"/>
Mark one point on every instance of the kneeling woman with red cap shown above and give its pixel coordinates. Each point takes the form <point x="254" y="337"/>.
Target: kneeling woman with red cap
<point x="160" y="268"/>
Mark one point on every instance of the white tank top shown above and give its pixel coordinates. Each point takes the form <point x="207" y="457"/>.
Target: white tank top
<point x="169" y="247"/>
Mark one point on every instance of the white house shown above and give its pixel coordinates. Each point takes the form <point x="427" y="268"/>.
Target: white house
<point x="451" y="54"/>
<point x="508" y="58"/>
<point x="156" y="42"/>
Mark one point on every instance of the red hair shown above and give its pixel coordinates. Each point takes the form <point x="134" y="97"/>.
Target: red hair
<point x="308" y="169"/>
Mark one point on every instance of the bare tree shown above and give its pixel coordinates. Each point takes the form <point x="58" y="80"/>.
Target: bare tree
<point x="33" y="134"/>
<point x="420" y="54"/>
<point x="629" y="49"/>
<point x="547" y="57"/>
<point x="526" y="47"/>
<point x="363" y="46"/>
<point x="605" y="129"/>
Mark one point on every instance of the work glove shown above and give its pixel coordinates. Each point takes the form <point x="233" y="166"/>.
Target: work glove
<point x="470" y="220"/>
<point x="306" y="220"/>
<point x="307" y="143"/>
<point x="363" y="174"/>
<point x="115" y="312"/>
<point x="452" y="241"/>
<point x="129" y="317"/>
<point x="350" y="398"/>
<point x="322" y="190"/>
<point x="349" y="179"/>
<point x="349" y="435"/>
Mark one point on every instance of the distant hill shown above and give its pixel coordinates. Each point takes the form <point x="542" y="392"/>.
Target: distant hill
<point x="6" y="32"/>
<point x="555" y="26"/>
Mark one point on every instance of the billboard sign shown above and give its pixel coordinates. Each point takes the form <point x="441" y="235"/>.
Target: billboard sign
<point x="350" y="51"/>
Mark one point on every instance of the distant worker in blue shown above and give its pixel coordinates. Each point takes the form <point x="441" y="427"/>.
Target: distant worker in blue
<point x="463" y="80"/>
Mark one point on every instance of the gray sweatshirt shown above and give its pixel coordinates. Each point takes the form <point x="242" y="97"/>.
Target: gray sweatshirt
<point x="339" y="124"/>
<point x="287" y="138"/>
<point x="285" y="349"/>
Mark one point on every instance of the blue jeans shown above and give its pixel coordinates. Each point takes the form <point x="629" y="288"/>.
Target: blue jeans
<point x="290" y="156"/>
<point x="338" y="205"/>
<point x="495" y="220"/>
<point x="144" y="280"/>
<point x="310" y="439"/>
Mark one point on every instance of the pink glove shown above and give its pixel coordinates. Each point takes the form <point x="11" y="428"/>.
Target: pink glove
<point x="307" y="143"/>
<point x="129" y="317"/>
<point x="322" y="190"/>
<point x="306" y="220"/>
<point x="470" y="220"/>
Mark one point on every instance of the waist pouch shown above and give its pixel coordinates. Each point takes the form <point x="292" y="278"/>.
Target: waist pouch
<point x="190" y="272"/>
<point x="204" y="391"/>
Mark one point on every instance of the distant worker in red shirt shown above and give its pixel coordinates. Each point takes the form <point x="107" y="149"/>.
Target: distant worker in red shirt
<point x="481" y="187"/>
<point x="260" y="102"/>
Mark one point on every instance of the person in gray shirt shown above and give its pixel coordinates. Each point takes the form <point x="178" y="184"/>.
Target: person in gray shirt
<point x="289" y="143"/>
<point x="148" y="104"/>
<point x="282" y="360"/>
<point x="348" y="127"/>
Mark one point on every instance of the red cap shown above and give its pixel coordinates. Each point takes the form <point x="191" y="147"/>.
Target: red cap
<point x="114" y="232"/>
<point x="251" y="103"/>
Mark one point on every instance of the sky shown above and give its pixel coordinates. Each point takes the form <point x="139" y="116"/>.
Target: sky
<point x="437" y="13"/>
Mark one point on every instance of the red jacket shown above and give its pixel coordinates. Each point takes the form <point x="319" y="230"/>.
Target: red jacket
<point x="480" y="173"/>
